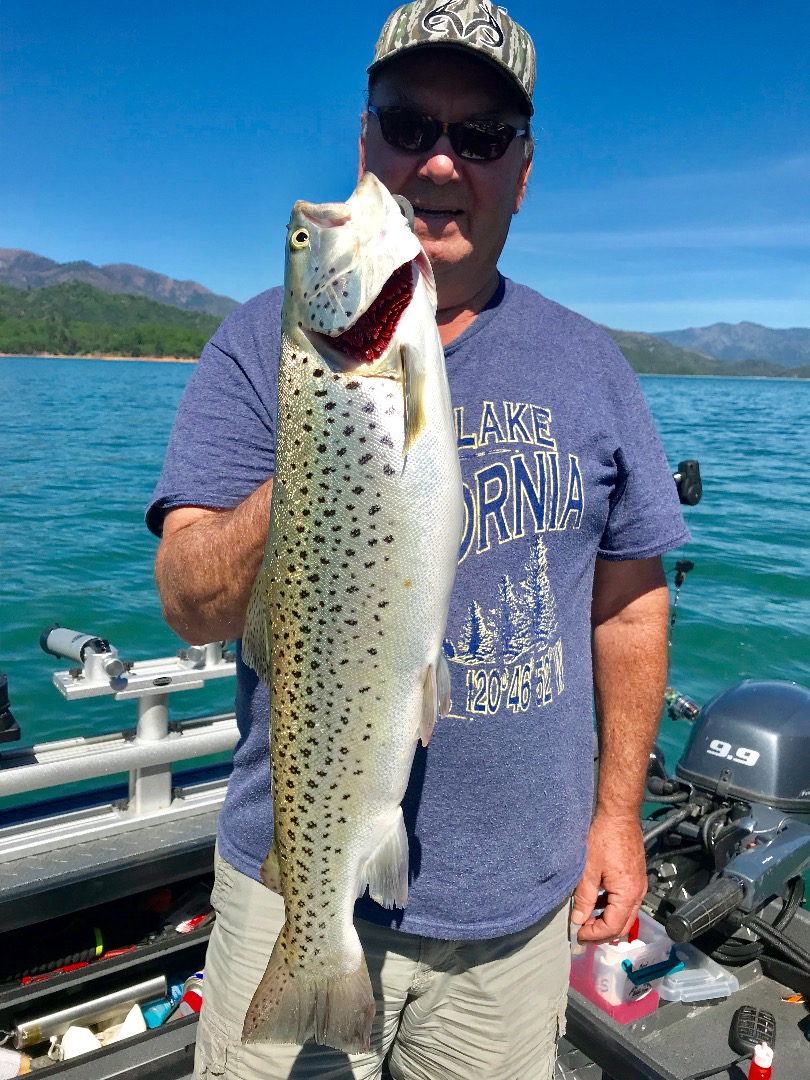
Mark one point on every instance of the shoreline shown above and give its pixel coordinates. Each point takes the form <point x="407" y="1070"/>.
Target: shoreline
<point x="103" y="356"/>
<point x="193" y="360"/>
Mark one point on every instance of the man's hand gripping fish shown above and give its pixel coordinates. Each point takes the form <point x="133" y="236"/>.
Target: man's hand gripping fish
<point x="347" y="615"/>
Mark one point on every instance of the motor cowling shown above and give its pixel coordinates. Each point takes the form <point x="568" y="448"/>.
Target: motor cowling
<point x="752" y="742"/>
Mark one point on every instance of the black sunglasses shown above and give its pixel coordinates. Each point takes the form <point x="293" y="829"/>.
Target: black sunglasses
<point x="474" y="140"/>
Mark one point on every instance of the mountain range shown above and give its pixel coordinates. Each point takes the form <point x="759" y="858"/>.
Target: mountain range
<point x="26" y="270"/>
<point x="744" y="341"/>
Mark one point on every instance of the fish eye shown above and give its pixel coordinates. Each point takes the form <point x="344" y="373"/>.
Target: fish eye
<point x="299" y="239"/>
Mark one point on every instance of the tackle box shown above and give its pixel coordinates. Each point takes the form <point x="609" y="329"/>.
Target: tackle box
<point x="35" y="909"/>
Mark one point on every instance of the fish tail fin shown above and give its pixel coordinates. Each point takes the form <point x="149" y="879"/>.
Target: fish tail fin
<point x="289" y="1007"/>
<point x="257" y="646"/>
<point x="345" y="1011"/>
<point x="386" y="869"/>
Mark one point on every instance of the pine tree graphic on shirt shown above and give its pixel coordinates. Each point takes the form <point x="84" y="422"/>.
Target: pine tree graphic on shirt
<point x="512" y="621"/>
<point x="538" y="596"/>
<point x="477" y="641"/>
<point x="524" y="618"/>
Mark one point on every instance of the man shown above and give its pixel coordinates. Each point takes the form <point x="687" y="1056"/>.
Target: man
<point x="560" y="596"/>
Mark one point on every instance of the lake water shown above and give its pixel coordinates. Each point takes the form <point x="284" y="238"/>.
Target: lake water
<point x="81" y="446"/>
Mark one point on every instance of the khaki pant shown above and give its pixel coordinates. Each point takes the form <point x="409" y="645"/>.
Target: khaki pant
<point x="446" y="1010"/>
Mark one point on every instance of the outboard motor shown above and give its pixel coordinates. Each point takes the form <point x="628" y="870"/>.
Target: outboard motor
<point x="725" y="860"/>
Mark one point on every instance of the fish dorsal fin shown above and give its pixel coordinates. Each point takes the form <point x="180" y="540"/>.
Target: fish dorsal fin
<point x="257" y="645"/>
<point x="271" y="871"/>
<point x="386" y="869"/>
<point x="413" y="389"/>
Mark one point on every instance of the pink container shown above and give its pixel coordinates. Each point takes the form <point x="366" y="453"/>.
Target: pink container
<point x="582" y="980"/>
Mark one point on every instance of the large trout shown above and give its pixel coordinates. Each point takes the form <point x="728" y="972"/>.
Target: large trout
<point x="346" y="619"/>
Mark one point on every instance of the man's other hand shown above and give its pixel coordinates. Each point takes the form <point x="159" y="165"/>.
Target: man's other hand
<point x="615" y="865"/>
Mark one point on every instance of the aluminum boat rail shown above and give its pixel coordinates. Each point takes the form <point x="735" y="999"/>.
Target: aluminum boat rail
<point x="146" y="752"/>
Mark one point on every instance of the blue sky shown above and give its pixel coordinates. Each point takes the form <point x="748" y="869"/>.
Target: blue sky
<point x="671" y="176"/>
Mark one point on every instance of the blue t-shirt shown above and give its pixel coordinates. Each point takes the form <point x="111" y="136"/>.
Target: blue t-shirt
<point x="561" y="462"/>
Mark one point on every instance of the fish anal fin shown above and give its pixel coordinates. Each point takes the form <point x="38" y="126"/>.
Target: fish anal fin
<point x="293" y="1006"/>
<point x="386" y="870"/>
<point x="413" y="387"/>
<point x="271" y="871"/>
<point x="257" y="645"/>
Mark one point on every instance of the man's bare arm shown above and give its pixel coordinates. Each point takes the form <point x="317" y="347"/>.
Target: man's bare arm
<point x="206" y="565"/>
<point x="629" y="615"/>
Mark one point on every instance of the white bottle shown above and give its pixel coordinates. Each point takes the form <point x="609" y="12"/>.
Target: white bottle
<point x="609" y="978"/>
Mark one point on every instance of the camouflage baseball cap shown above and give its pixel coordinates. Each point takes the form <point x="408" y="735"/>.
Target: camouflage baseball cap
<point x="477" y="25"/>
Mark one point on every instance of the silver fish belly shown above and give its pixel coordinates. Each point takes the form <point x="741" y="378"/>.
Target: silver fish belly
<point x="345" y="625"/>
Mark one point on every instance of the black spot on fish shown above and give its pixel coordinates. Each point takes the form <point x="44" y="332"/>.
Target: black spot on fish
<point x="353" y="384"/>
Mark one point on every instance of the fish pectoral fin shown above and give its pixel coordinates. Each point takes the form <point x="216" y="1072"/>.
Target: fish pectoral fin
<point x="257" y="644"/>
<point x="293" y="1006"/>
<point x="443" y="685"/>
<point x="271" y="871"/>
<point x="413" y="388"/>
<point x="430" y="705"/>
<point x="386" y="870"/>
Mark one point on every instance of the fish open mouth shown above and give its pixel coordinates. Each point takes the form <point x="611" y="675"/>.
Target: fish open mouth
<point x="372" y="333"/>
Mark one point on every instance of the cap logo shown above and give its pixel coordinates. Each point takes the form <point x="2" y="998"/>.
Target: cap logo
<point x="484" y="29"/>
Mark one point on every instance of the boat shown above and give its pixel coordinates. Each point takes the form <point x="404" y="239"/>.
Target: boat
<point x="105" y="893"/>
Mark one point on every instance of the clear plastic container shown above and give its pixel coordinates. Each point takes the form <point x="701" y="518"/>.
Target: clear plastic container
<point x="701" y="979"/>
